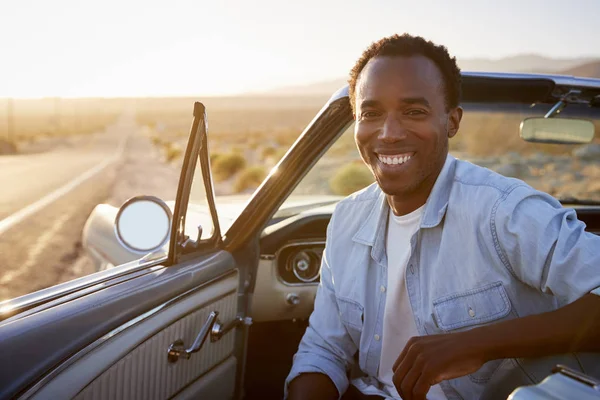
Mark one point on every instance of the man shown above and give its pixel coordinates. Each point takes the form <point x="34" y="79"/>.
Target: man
<point x="442" y="280"/>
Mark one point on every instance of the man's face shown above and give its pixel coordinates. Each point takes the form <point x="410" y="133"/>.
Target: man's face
<point x="402" y="125"/>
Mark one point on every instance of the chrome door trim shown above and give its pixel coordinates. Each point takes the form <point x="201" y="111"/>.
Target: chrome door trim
<point x="67" y="291"/>
<point x="113" y="333"/>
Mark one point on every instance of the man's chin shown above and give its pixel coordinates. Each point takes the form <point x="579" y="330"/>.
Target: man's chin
<point x="392" y="188"/>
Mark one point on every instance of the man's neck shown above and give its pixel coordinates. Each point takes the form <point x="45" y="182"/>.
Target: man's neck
<point x="405" y="203"/>
<point x="403" y="207"/>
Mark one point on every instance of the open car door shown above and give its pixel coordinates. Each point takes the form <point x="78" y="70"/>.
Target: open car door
<point x="167" y="326"/>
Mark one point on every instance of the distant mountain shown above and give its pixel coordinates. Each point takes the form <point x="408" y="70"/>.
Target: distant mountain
<point x="527" y="63"/>
<point x="588" y="70"/>
<point x="523" y="63"/>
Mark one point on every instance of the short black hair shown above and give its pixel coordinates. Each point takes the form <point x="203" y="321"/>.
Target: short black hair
<point x="408" y="45"/>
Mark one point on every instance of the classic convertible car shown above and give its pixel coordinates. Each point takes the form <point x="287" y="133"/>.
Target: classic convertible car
<point x="204" y="297"/>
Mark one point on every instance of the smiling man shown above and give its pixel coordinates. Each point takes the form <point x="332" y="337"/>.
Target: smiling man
<point x="443" y="280"/>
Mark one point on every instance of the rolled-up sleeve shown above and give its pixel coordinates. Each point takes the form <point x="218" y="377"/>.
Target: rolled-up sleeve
<point x="545" y="245"/>
<point x="326" y="346"/>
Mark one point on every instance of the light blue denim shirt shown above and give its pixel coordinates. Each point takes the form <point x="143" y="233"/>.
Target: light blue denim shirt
<point x="489" y="249"/>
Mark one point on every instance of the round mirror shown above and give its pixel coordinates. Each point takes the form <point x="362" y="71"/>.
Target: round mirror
<point x="143" y="223"/>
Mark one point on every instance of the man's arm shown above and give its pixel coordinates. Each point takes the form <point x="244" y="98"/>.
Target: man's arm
<point x="326" y="350"/>
<point x="545" y="246"/>
<point x="312" y="385"/>
<point x="428" y="360"/>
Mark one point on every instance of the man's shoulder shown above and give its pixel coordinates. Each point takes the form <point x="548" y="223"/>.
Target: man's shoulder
<point x="472" y="177"/>
<point x="360" y="202"/>
<point x="479" y="188"/>
<point x="352" y="211"/>
<point x="370" y="193"/>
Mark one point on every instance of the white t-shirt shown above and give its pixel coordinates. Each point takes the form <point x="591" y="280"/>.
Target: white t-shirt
<point x="398" y="320"/>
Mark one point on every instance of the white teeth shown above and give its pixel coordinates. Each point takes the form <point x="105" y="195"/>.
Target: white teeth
<point x="394" y="160"/>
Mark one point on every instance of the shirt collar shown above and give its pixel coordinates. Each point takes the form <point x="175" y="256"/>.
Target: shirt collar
<point x="437" y="203"/>
<point x="372" y="231"/>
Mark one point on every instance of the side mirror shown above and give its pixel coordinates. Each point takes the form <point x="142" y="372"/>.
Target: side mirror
<point x="143" y="224"/>
<point x="557" y="130"/>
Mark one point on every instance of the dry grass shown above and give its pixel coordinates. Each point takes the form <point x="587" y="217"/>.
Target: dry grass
<point x="350" y="178"/>
<point x="227" y="165"/>
<point x="249" y="179"/>
<point x="248" y="123"/>
<point x="260" y="131"/>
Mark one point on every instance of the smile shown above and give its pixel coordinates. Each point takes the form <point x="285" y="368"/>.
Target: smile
<point x="394" y="159"/>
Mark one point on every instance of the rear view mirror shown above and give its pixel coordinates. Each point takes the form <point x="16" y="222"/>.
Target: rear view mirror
<point x="143" y="223"/>
<point x="557" y="130"/>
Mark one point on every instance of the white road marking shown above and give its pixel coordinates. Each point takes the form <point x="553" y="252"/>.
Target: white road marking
<point x="22" y="214"/>
<point x="36" y="250"/>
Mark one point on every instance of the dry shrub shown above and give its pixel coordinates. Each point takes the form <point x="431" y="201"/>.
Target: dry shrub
<point x="172" y="152"/>
<point x="8" y="147"/>
<point x="269" y="151"/>
<point x="249" y="179"/>
<point x="350" y="178"/>
<point x="213" y="157"/>
<point x="227" y="165"/>
<point x="156" y="140"/>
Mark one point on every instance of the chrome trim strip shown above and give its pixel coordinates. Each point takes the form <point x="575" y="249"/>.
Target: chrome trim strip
<point x="110" y="335"/>
<point x="18" y="305"/>
<point x="340" y="93"/>
<point x="296" y="244"/>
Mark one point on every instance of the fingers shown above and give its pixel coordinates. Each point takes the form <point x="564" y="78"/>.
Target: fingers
<point x="404" y="352"/>
<point x="405" y="385"/>
<point x="421" y="388"/>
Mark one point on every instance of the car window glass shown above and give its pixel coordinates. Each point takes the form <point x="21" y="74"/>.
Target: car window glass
<point x="339" y="172"/>
<point x="198" y="219"/>
<point x="488" y="136"/>
<point x="247" y="137"/>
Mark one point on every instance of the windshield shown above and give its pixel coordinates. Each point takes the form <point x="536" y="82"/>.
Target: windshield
<point x="488" y="136"/>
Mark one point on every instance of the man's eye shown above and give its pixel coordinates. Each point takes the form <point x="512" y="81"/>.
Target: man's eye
<point x="416" y="112"/>
<point x="370" y="114"/>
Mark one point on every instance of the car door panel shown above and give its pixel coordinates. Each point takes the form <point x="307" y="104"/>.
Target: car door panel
<point x="41" y="342"/>
<point x="217" y="383"/>
<point x="131" y="362"/>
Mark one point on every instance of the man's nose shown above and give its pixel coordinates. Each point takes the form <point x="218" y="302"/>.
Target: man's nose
<point x="392" y="129"/>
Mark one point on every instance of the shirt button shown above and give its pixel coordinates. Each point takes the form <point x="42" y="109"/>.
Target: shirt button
<point x="376" y="337"/>
<point x="471" y="312"/>
<point x="382" y="289"/>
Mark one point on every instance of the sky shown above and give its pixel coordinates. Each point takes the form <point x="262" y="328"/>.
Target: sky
<point x="112" y="48"/>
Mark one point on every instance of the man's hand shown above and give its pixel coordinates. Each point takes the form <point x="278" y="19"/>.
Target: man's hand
<point x="428" y="360"/>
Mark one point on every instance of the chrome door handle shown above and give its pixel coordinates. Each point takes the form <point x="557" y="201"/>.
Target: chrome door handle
<point x="211" y="327"/>
<point x="218" y="329"/>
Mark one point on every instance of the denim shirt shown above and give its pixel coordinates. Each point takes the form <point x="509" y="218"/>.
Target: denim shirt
<point x="489" y="249"/>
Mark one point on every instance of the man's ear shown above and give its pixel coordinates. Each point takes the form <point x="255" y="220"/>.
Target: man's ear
<point x="454" y="119"/>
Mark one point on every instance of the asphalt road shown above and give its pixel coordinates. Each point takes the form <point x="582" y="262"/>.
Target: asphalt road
<point x="46" y="197"/>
